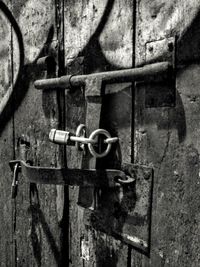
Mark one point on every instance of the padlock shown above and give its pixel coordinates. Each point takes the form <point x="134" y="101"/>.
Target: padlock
<point x="59" y="137"/>
<point x="67" y="138"/>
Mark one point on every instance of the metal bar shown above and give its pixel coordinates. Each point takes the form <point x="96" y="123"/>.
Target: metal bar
<point x="82" y="140"/>
<point x="46" y="62"/>
<point x="64" y="176"/>
<point x="101" y="225"/>
<point x="127" y="75"/>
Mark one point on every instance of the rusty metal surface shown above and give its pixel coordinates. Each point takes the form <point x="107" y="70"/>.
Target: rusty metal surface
<point x="74" y="177"/>
<point x="128" y="216"/>
<point x="163" y="93"/>
<point x="146" y="73"/>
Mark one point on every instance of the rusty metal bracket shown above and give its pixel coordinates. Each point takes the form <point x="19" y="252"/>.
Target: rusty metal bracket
<point x="161" y="93"/>
<point x="161" y="50"/>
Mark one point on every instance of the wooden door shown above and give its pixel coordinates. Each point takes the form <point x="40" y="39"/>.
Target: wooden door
<point x="46" y="224"/>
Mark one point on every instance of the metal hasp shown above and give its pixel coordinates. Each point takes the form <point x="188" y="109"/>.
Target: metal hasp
<point x="162" y="70"/>
<point x="127" y="218"/>
<point x="74" y="177"/>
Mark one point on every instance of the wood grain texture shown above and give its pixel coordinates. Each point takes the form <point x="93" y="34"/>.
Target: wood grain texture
<point x="6" y="144"/>
<point x="99" y="36"/>
<point x="38" y="233"/>
<point x="75" y="115"/>
<point x="96" y="40"/>
<point x="166" y="138"/>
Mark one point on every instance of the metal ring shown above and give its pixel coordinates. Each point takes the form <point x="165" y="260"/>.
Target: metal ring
<point x="91" y="148"/>
<point x="127" y="181"/>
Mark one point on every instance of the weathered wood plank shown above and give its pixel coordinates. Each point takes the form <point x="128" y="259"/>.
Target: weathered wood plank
<point x="6" y="144"/>
<point x="38" y="232"/>
<point x="75" y="113"/>
<point x="102" y="33"/>
<point x="166" y="138"/>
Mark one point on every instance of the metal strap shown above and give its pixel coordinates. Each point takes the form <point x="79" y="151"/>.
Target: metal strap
<point x="63" y="176"/>
<point x="93" y="97"/>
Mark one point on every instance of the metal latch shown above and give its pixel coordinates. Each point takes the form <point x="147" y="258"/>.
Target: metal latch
<point x="146" y="73"/>
<point x="126" y="217"/>
<point x="75" y="177"/>
<point x="122" y="211"/>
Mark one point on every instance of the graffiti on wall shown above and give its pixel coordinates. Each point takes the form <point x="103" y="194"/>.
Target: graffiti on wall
<point x="21" y="46"/>
<point x="6" y="68"/>
<point x="101" y="30"/>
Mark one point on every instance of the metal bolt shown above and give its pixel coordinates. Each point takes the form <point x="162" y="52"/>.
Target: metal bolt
<point x="150" y="48"/>
<point x="147" y="175"/>
<point x="170" y="46"/>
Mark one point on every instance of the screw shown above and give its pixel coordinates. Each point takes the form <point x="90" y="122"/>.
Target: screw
<point x="147" y="175"/>
<point x="170" y="46"/>
<point x="150" y="48"/>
